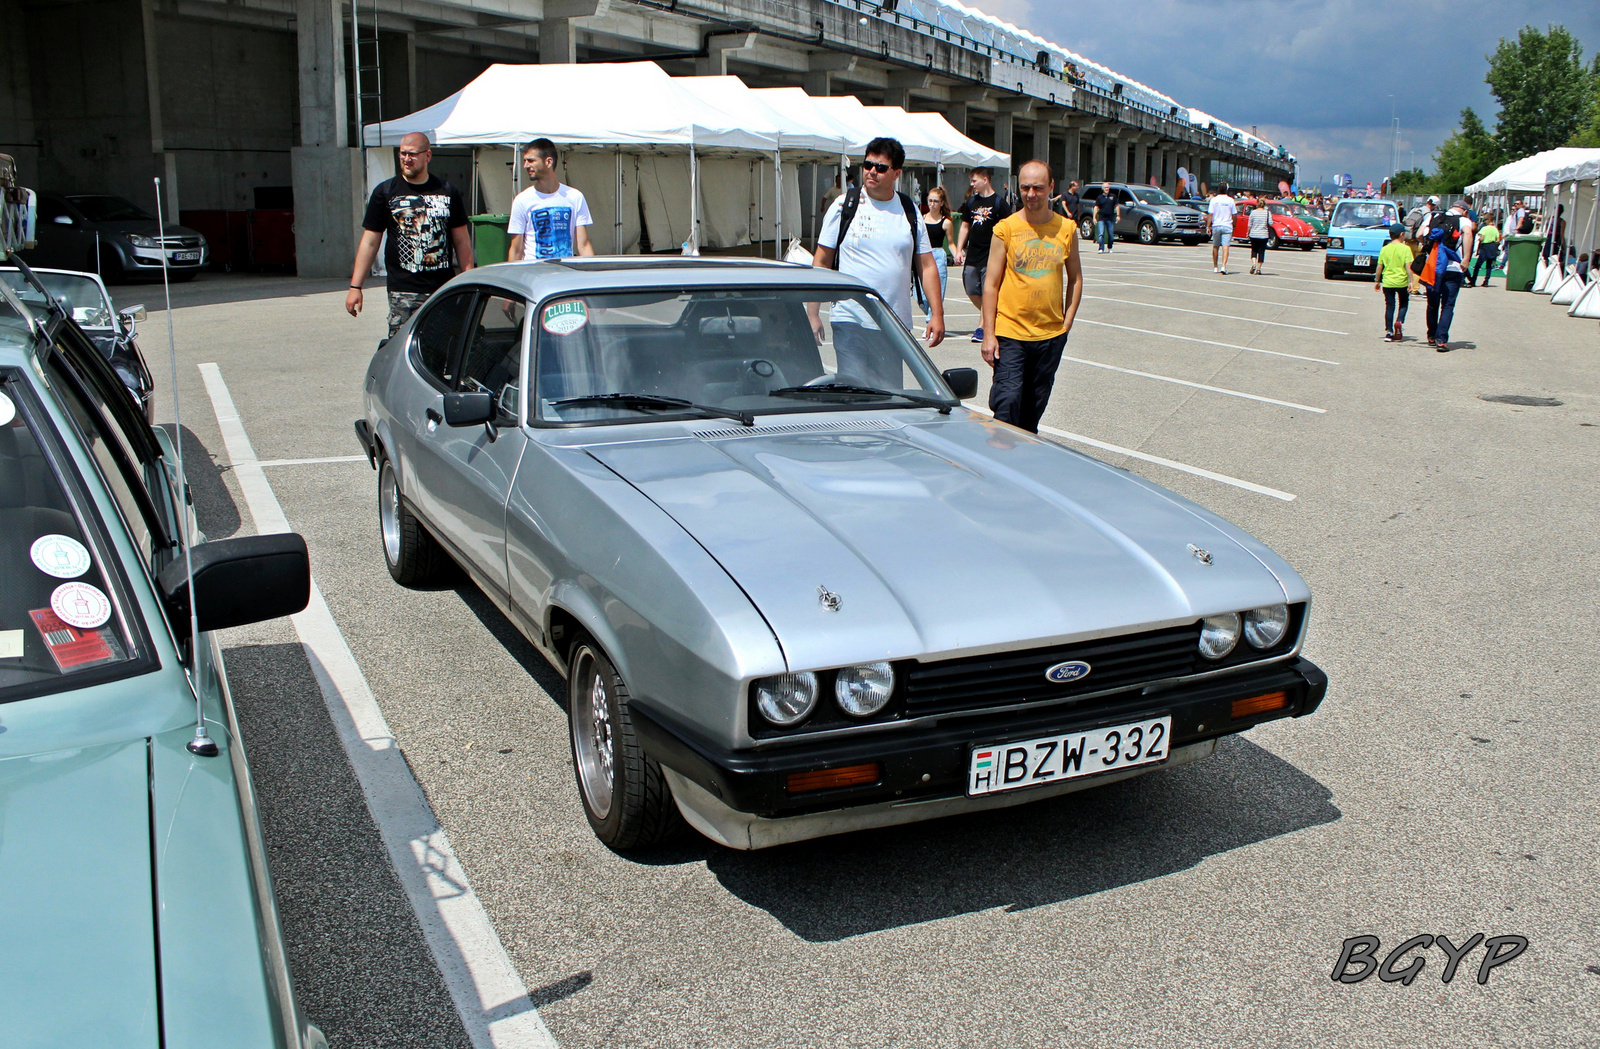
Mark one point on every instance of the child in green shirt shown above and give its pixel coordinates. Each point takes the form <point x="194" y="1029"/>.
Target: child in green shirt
<point x="1394" y="280"/>
<point x="1483" y="258"/>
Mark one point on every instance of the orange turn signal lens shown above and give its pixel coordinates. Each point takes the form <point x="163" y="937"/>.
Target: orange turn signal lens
<point x="829" y="779"/>
<point x="1244" y="708"/>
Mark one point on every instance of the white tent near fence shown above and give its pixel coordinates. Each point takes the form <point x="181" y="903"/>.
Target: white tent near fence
<point x="1581" y="299"/>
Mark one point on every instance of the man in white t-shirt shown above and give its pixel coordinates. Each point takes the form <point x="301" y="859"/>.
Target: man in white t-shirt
<point x="1219" y="223"/>
<point x="885" y="234"/>
<point x="549" y="218"/>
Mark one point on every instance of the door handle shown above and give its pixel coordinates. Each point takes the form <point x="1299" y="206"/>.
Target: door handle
<point x="434" y="417"/>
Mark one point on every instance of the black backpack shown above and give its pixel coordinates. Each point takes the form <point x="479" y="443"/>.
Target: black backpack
<point x="852" y="202"/>
<point x="1451" y="225"/>
<point x="1526" y="226"/>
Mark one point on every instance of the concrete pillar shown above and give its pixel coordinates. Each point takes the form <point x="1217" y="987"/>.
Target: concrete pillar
<point x="326" y="173"/>
<point x="719" y="49"/>
<point x="1003" y="141"/>
<point x="558" y="35"/>
<point x="1070" y="138"/>
<point x="166" y="163"/>
<point x="1041" y="142"/>
<point x="1139" y="170"/>
<point x="1097" y="158"/>
<point x="818" y="83"/>
<point x="957" y="115"/>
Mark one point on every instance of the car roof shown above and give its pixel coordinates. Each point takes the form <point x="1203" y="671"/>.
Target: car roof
<point x="539" y="280"/>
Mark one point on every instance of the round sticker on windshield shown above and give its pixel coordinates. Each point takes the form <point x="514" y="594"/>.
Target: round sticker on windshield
<point x="59" y="555"/>
<point x="8" y="411"/>
<point x="80" y="605"/>
<point x="564" y="318"/>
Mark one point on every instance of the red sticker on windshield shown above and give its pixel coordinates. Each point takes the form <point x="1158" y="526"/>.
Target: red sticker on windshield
<point x="72" y="648"/>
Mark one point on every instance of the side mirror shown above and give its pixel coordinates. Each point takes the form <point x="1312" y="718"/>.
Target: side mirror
<point x="506" y="404"/>
<point x="468" y="409"/>
<point x="131" y="316"/>
<point x="239" y="581"/>
<point x="963" y="382"/>
<point x="62" y="220"/>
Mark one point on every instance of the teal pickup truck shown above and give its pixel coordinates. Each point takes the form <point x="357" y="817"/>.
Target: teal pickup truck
<point x="1357" y="231"/>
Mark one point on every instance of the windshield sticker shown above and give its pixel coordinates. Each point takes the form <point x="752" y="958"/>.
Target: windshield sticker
<point x="11" y="644"/>
<point x="73" y="648"/>
<point x="80" y="605"/>
<point x="60" y="555"/>
<point x="8" y="411"/>
<point x="564" y="318"/>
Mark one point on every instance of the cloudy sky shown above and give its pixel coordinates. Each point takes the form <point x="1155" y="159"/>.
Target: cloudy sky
<point x="1316" y="75"/>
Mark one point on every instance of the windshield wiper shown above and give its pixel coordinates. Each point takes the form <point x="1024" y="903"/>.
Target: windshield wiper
<point x="852" y="390"/>
<point x="650" y="400"/>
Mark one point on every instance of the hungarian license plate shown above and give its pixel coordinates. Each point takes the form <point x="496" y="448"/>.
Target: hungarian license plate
<point x="1036" y="762"/>
<point x="186" y="256"/>
<point x="1362" y="260"/>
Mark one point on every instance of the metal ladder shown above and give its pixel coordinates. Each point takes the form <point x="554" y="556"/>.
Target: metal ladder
<point x="373" y="71"/>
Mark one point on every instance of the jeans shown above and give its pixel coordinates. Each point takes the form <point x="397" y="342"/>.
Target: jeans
<point x="1024" y="375"/>
<point x="1442" y="305"/>
<point x="1483" y="262"/>
<point x="942" y="266"/>
<point x="1105" y="233"/>
<point x="866" y="360"/>
<point x="1391" y="297"/>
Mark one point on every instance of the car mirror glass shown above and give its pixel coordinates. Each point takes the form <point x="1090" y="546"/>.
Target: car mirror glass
<point x="506" y="403"/>
<point x="62" y="220"/>
<point x="730" y="325"/>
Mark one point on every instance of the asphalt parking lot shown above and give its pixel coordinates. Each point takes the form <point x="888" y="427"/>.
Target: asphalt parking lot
<point x="1446" y="786"/>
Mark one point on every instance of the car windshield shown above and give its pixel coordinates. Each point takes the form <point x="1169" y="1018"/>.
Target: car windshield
<point x="82" y="296"/>
<point x="1366" y="214"/>
<point x="106" y="208"/>
<point x="724" y="351"/>
<point x="1151" y="196"/>
<point x="57" y="616"/>
<point x="1279" y="209"/>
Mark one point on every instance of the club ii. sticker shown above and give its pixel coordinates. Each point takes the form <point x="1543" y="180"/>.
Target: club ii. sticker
<point x="564" y="318"/>
<point x="59" y="555"/>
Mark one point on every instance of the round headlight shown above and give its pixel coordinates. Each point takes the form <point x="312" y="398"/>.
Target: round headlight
<point x="1265" y="627"/>
<point x="863" y="691"/>
<point x="1218" y="634"/>
<point x="786" y="699"/>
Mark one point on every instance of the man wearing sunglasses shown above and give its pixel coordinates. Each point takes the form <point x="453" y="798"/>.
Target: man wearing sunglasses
<point x="425" y="220"/>
<point x="876" y="233"/>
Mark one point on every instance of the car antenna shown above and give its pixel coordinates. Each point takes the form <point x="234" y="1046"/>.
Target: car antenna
<point x="202" y="744"/>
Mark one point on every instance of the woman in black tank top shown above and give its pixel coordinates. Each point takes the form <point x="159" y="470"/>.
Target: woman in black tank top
<point x="937" y="219"/>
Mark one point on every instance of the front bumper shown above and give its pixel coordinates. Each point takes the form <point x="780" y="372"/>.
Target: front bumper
<point x="1344" y="261"/>
<point x="928" y="760"/>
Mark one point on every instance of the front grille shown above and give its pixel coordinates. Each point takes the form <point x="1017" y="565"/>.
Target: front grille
<point x="1007" y="678"/>
<point x="180" y="242"/>
<point x="1188" y="220"/>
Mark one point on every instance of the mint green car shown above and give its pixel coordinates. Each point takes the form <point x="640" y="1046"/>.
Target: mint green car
<point x="135" y="906"/>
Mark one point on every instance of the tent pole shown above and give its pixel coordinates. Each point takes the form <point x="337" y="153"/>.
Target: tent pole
<point x="816" y="198"/>
<point x="777" y="201"/>
<point x="694" y="199"/>
<point x="761" y="205"/>
<point x="616" y="202"/>
<point x="472" y="205"/>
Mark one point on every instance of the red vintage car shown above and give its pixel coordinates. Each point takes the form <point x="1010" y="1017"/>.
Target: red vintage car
<point x="1287" y="231"/>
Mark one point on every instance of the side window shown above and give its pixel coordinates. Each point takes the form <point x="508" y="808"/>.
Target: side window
<point x="49" y="209"/>
<point x="494" y="351"/>
<point x="1124" y="197"/>
<point x="437" y="334"/>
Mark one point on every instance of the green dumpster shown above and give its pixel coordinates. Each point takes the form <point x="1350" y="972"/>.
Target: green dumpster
<point x="1522" y="260"/>
<point x="490" y="241"/>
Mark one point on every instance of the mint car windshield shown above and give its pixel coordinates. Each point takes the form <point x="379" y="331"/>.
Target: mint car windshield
<point x="1364" y="214"/>
<point x="59" y="617"/>
<point x="82" y="296"/>
<point x="724" y="353"/>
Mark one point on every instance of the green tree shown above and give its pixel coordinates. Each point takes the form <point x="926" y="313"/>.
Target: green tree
<point x="1543" y="90"/>
<point x="1465" y="157"/>
<point x="1412" y="180"/>
<point x="1588" y="134"/>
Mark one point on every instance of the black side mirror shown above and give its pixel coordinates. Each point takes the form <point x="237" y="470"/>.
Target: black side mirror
<point x="963" y="382"/>
<point x="239" y="581"/>
<point x="468" y="409"/>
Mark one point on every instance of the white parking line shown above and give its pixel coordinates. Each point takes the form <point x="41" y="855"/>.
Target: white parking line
<point x="1185" y="268"/>
<point x="1235" y="284"/>
<point x="1249" y="486"/>
<point x="488" y="992"/>
<point x="314" y="462"/>
<point x="1203" y="313"/>
<point x="1213" y="295"/>
<point x="1197" y="385"/>
<point x="1208" y="342"/>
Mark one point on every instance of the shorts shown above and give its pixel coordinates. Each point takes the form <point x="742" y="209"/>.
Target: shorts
<point x="402" y="304"/>
<point x="1222" y="237"/>
<point x="972" y="279"/>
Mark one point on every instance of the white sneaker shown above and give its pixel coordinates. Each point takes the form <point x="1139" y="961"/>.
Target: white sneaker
<point x="1215" y="270"/>
<point x="1223" y="272"/>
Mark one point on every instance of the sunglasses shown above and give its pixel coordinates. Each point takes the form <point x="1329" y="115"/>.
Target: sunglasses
<point x="870" y="165"/>
<point x="408" y="154"/>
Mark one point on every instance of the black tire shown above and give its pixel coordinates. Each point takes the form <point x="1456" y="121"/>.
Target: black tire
<point x="1305" y="247"/>
<point x="1147" y="233"/>
<point x="1086" y="229"/>
<point x="1194" y="241"/>
<point x="1328" y="272"/>
<point x="414" y="558"/>
<point x="107" y="263"/>
<point x="183" y="276"/>
<point x="624" y="793"/>
<point x="1272" y="240"/>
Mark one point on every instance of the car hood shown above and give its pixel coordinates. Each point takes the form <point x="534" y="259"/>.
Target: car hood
<point x="142" y="228"/>
<point x="1358" y="239"/>
<point x="951" y="536"/>
<point x="77" y="936"/>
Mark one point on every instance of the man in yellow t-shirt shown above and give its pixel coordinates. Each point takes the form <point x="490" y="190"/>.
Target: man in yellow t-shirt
<point x="1030" y="297"/>
<point x="1394" y="280"/>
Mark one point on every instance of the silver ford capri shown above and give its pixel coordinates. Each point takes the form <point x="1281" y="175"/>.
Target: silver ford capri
<point x="795" y="586"/>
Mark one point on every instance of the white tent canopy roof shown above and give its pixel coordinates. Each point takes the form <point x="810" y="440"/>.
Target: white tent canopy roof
<point x="1586" y="167"/>
<point x="1530" y="174"/>
<point x="611" y="105"/>
<point x="798" y="128"/>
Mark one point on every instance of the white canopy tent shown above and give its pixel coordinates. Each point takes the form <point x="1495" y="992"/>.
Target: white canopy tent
<point x="1525" y="177"/>
<point x="1578" y="186"/>
<point x="656" y="139"/>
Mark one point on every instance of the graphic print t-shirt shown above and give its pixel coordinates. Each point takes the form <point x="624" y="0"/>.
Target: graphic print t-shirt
<point x="981" y="213"/>
<point x="548" y="222"/>
<point x="418" y="219"/>
<point x="1032" y="303"/>
<point x="877" y="248"/>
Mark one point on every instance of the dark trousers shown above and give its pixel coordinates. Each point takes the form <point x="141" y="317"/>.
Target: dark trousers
<point x="1258" y="249"/>
<point x="1485" y="263"/>
<point x="1024" y="375"/>
<point x="1442" y="306"/>
<point x="1395" y="303"/>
